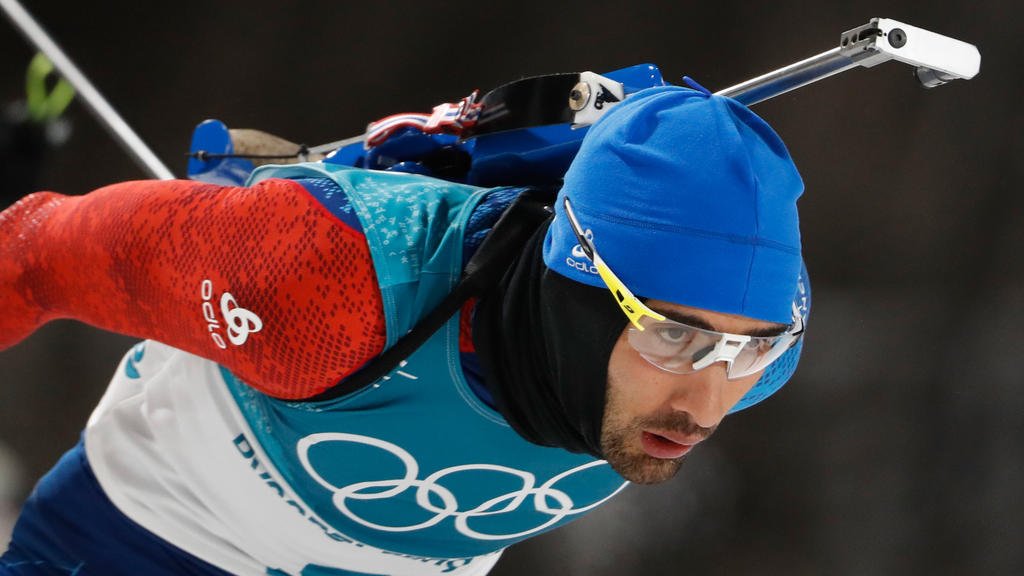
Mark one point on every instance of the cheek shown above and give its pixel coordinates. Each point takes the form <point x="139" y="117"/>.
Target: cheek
<point x="617" y="363"/>
<point x="634" y="381"/>
<point x="626" y="368"/>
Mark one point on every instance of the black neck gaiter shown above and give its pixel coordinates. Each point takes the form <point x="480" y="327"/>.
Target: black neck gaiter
<point x="544" y="342"/>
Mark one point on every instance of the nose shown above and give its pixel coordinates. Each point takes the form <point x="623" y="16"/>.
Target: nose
<point x="701" y="395"/>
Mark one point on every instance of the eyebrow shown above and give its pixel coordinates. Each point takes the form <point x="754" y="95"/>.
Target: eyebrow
<point x="699" y="322"/>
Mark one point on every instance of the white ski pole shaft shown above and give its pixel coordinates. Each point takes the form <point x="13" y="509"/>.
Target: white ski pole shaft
<point x="98" y="105"/>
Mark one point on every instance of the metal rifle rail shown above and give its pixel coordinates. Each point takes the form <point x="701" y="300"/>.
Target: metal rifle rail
<point x="789" y="78"/>
<point x="98" y="105"/>
<point x="938" y="59"/>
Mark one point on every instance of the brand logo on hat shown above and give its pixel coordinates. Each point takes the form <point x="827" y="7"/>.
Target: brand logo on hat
<point x="579" y="260"/>
<point x="577" y="252"/>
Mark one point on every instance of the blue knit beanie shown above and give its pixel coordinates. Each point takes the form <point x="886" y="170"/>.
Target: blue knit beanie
<point x="691" y="199"/>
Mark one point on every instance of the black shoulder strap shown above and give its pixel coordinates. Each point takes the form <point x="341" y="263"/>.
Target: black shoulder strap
<point x="487" y="266"/>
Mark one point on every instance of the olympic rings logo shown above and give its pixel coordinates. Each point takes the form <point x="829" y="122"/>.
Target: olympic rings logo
<point x="545" y="498"/>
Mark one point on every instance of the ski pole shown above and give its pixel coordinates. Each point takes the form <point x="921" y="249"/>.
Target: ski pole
<point x="98" y="105"/>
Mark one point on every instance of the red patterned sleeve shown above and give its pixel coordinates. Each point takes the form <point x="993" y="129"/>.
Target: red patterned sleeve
<point x="263" y="280"/>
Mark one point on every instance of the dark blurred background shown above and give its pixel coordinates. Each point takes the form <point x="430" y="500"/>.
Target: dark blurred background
<point x="896" y="449"/>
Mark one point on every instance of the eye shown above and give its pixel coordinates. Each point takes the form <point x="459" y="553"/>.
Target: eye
<point x="675" y="334"/>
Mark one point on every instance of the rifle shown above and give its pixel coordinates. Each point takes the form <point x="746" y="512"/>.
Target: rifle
<point x="528" y="131"/>
<point x="525" y="132"/>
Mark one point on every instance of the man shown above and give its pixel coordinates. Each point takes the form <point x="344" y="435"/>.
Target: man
<point x="666" y="291"/>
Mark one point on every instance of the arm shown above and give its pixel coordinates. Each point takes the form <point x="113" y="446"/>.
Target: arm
<point x="262" y="280"/>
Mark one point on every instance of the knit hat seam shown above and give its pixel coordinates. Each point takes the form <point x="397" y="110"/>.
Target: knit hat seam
<point x="753" y="253"/>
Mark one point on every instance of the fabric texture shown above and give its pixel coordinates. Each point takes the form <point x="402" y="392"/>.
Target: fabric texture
<point x="153" y="243"/>
<point x="170" y="261"/>
<point x="690" y="198"/>
<point x="68" y="526"/>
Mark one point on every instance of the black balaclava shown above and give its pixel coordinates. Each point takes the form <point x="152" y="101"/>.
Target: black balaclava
<point x="544" y="342"/>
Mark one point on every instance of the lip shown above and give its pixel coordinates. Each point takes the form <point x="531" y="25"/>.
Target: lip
<point x="666" y="445"/>
<point x="678" y="437"/>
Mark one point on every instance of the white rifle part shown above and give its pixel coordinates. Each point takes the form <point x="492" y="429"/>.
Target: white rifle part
<point x="937" y="58"/>
<point x="98" y="105"/>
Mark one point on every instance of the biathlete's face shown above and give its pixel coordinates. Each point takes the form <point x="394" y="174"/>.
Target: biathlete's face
<point x="652" y="417"/>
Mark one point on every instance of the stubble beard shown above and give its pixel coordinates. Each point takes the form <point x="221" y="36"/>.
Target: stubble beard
<point x="621" y="446"/>
<point x="620" y="449"/>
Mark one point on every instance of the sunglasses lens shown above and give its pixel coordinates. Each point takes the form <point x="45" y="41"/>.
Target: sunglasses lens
<point x="669" y="345"/>
<point x="676" y="347"/>
<point x="759" y="355"/>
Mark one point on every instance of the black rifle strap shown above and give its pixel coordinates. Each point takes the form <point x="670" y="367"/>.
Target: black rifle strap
<point x="485" y="269"/>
